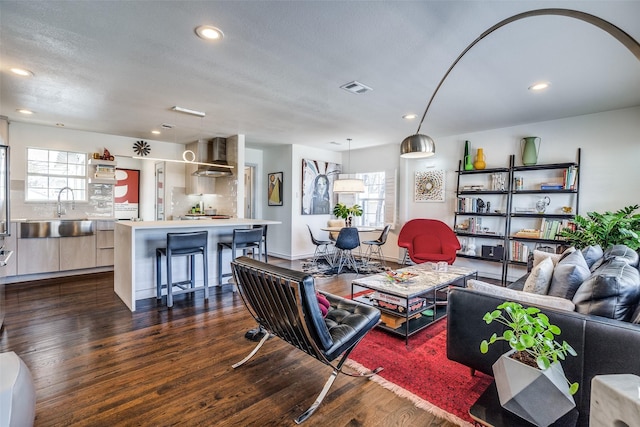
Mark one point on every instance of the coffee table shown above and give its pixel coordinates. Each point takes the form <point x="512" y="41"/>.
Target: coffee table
<point x="417" y="303"/>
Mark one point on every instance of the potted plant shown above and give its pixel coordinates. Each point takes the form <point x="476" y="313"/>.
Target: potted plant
<point x="340" y="210"/>
<point x="606" y="229"/>
<point x="529" y="378"/>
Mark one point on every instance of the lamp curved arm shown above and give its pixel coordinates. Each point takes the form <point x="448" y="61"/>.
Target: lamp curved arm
<point x="619" y="34"/>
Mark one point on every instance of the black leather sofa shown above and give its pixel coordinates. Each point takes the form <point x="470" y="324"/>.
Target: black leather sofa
<point x="604" y="346"/>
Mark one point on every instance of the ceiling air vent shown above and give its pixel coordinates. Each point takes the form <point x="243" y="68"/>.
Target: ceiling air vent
<point x="355" y="87"/>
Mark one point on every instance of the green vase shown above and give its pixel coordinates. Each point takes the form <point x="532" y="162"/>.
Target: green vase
<point x="468" y="162"/>
<point x="529" y="150"/>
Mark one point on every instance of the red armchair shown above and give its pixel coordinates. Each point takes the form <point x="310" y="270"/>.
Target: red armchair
<point x="428" y="240"/>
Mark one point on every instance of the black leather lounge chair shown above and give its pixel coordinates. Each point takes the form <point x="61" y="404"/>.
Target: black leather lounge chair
<point x="285" y="304"/>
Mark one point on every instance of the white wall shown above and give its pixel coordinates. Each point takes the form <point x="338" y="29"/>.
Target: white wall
<point x="610" y="171"/>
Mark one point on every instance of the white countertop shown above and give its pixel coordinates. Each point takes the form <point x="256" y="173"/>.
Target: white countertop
<point x="200" y="223"/>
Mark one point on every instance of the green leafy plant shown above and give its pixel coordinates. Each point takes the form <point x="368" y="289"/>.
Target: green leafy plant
<point x="606" y="229"/>
<point x="531" y="335"/>
<point x="340" y="210"/>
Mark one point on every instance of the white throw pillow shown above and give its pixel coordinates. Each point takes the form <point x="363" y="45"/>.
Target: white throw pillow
<point x="538" y="256"/>
<point x="523" y="298"/>
<point x="540" y="278"/>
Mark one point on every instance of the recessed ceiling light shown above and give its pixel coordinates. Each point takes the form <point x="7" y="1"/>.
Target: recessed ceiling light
<point x="409" y="116"/>
<point x="208" y="32"/>
<point x="24" y="111"/>
<point x="155" y="132"/>
<point x="539" y="86"/>
<point x="22" y="72"/>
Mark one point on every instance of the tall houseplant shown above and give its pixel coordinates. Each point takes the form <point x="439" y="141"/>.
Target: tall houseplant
<point x="606" y="229"/>
<point x="529" y="378"/>
<point x="340" y="210"/>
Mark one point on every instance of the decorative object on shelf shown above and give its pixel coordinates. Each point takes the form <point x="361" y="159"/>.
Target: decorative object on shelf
<point x="468" y="165"/>
<point x="471" y="246"/>
<point x="518" y="182"/>
<point x="529" y="150"/>
<point x="106" y="155"/>
<point x="340" y="210"/>
<point x="429" y="186"/>
<point x="567" y="209"/>
<point x="488" y="207"/>
<point x="480" y="205"/>
<point x="606" y="229"/>
<point x="480" y="162"/>
<point x="541" y="205"/>
<point x="497" y="181"/>
<point x="141" y="148"/>
<point x="530" y="380"/>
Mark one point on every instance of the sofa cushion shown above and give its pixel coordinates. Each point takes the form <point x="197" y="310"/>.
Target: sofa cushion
<point x="526" y="298"/>
<point x="635" y="317"/>
<point x="613" y="291"/>
<point x="623" y="252"/>
<point x="592" y="254"/>
<point x="568" y="275"/>
<point x="540" y="278"/>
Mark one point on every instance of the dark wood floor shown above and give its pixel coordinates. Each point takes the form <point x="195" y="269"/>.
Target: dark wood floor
<point x="97" y="364"/>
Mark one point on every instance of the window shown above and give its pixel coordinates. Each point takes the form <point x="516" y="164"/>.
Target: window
<point x="378" y="200"/>
<point x="49" y="171"/>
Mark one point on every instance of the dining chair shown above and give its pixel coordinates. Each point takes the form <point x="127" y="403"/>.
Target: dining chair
<point x="346" y="242"/>
<point x="322" y="249"/>
<point x="375" y="246"/>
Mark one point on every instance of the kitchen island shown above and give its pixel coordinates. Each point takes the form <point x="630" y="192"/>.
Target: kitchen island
<point x="135" y="251"/>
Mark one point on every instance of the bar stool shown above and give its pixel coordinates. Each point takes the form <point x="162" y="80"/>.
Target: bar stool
<point x="264" y="240"/>
<point x="243" y="238"/>
<point x="182" y="244"/>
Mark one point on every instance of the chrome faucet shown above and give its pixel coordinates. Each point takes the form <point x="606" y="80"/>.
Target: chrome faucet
<point x="62" y="211"/>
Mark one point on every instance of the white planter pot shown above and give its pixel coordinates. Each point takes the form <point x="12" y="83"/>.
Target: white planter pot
<point x="540" y="397"/>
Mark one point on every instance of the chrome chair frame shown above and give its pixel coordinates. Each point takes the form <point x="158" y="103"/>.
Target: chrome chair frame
<point x="322" y="249"/>
<point x="284" y="303"/>
<point x="375" y="246"/>
<point x="348" y="239"/>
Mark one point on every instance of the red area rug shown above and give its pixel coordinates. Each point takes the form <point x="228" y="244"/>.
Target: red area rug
<point x="422" y="372"/>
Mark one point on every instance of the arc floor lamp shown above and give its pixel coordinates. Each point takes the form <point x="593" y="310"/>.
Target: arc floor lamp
<point x="420" y="145"/>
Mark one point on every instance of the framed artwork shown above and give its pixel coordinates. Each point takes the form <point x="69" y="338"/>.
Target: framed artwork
<point x="429" y="186"/>
<point x="274" y="189"/>
<point x="126" y="195"/>
<point x="317" y="186"/>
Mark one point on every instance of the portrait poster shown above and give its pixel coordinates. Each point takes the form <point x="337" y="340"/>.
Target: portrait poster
<point x="126" y="195"/>
<point x="429" y="186"/>
<point x="274" y="189"/>
<point x="317" y="186"/>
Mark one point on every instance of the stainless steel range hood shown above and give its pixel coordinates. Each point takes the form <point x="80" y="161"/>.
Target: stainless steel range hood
<point x="212" y="151"/>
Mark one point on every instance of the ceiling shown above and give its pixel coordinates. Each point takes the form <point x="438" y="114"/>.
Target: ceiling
<point x="117" y="67"/>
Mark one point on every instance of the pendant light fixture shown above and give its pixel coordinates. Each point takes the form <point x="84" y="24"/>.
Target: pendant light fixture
<point x="348" y="185"/>
<point x="419" y="146"/>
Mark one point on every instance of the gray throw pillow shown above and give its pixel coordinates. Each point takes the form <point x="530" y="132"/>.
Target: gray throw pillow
<point x="612" y="291"/>
<point x="592" y="254"/>
<point x="568" y="275"/>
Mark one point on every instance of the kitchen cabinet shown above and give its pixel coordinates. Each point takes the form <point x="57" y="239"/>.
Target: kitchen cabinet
<point x="38" y="255"/>
<point x="104" y="243"/>
<point x="10" y="244"/>
<point x="77" y="252"/>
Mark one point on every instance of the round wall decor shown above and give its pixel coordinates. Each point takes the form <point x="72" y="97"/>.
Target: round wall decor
<point x="141" y="148"/>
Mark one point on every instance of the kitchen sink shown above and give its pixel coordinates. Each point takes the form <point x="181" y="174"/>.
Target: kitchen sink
<point x="56" y="228"/>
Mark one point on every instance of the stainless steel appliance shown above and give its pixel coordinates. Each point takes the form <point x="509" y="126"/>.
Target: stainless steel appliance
<point x="5" y="230"/>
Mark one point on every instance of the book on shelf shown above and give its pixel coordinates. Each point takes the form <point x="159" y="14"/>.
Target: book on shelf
<point x="570" y="178"/>
<point x="551" y="186"/>
<point x="519" y="251"/>
<point x="551" y="229"/>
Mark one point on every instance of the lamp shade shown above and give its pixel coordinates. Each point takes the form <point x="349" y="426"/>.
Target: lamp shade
<point x="417" y="146"/>
<point x="348" y="185"/>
